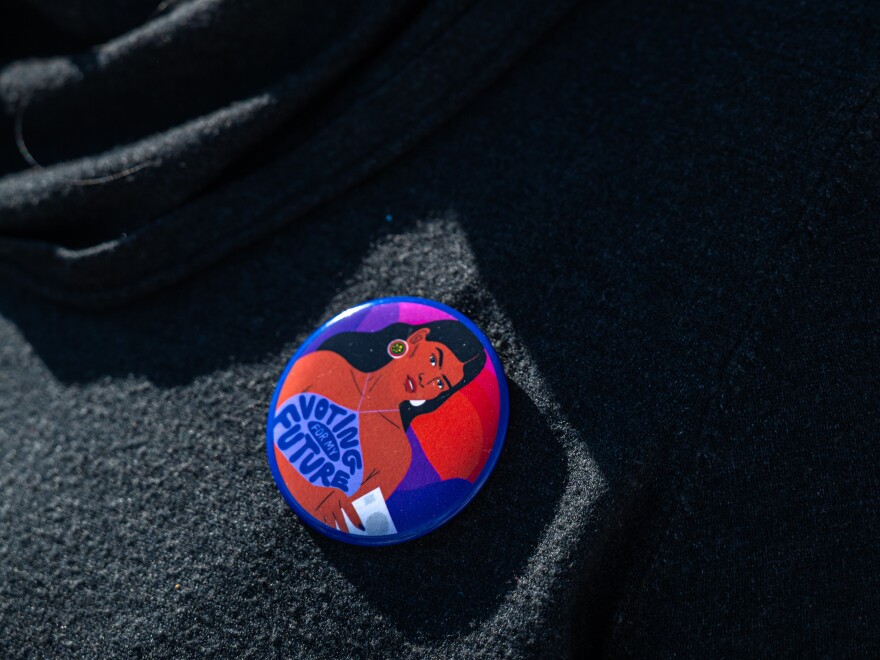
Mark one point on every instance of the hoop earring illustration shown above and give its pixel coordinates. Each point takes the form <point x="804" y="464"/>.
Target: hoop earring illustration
<point x="398" y="348"/>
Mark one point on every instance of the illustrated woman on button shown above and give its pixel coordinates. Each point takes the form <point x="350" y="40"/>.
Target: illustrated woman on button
<point x="344" y="411"/>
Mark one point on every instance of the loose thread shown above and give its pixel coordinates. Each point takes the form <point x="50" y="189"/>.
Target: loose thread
<point x="34" y="164"/>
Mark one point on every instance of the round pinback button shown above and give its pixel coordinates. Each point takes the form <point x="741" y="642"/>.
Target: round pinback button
<point x="387" y="421"/>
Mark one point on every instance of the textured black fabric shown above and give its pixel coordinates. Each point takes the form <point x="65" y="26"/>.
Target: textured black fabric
<point x="662" y="215"/>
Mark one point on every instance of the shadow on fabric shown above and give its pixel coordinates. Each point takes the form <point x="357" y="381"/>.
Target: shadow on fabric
<point x="427" y="586"/>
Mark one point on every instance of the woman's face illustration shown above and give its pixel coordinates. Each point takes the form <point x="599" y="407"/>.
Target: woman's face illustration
<point x="428" y="369"/>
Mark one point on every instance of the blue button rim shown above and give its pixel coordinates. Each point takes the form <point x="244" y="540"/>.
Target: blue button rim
<point x="434" y="523"/>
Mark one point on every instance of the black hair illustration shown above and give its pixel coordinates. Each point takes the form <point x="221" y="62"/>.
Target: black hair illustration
<point x="368" y="352"/>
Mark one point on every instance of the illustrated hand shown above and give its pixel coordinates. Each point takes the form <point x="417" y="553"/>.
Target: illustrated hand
<point x="330" y="511"/>
<point x="325" y="504"/>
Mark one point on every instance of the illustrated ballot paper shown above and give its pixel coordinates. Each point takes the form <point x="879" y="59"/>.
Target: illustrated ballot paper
<point x="374" y="515"/>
